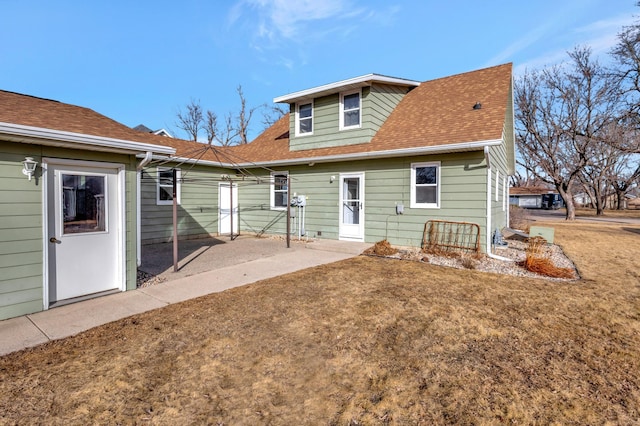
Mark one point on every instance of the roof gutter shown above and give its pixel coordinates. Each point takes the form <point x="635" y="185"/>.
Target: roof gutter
<point x="405" y="152"/>
<point x="487" y="156"/>
<point x="360" y="81"/>
<point x="51" y="137"/>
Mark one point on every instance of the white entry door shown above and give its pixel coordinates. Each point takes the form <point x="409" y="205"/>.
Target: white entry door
<point x="352" y="206"/>
<point x="226" y="195"/>
<point x="85" y="224"/>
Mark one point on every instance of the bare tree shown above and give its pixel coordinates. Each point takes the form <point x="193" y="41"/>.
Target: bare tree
<point x="235" y="128"/>
<point x="273" y="113"/>
<point x="244" y="118"/>
<point x="229" y="136"/>
<point x="191" y="120"/>
<point x="211" y="127"/>
<point x="560" y="114"/>
<point x="596" y="174"/>
<point x="623" y="177"/>
<point x="627" y="55"/>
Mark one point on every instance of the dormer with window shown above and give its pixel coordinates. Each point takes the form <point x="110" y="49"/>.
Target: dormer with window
<point x="344" y="113"/>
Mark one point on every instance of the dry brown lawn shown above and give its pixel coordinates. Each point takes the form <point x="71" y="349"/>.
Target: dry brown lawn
<point x="629" y="213"/>
<point x="365" y="341"/>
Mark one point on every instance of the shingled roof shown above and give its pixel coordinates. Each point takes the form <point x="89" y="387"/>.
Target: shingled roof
<point x="436" y="114"/>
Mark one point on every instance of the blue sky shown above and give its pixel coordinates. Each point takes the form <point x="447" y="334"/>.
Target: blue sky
<point x="141" y="61"/>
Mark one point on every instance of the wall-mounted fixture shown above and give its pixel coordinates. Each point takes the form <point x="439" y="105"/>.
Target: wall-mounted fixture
<point x="311" y="164"/>
<point x="29" y="166"/>
<point x="331" y="179"/>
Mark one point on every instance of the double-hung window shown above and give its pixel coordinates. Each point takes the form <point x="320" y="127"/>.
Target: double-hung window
<point x="279" y="190"/>
<point x="350" y="110"/>
<point x="165" y="186"/>
<point x="304" y="119"/>
<point x="425" y="185"/>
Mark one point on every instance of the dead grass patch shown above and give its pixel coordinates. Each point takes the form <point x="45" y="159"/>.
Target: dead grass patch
<point x="364" y="341"/>
<point x="628" y="213"/>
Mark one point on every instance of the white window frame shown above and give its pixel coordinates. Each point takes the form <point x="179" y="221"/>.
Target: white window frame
<point x="497" y="185"/>
<point x="272" y="190"/>
<point x="342" y="110"/>
<point x="298" y="105"/>
<point x="415" y="204"/>
<point x="159" y="185"/>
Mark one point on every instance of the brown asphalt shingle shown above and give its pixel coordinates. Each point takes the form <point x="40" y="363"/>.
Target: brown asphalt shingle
<point x="438" y="112"/>
<point x="32" y="111"/>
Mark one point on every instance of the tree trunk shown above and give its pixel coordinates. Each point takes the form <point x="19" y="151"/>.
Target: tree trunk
<point x="619" y="198"/>
<point x="567" y="196"/>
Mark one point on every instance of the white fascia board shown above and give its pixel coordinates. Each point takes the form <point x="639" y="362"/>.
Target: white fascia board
<point x="50" y="137"/>
<point x="351" y="83"/>
<point x="406" y="152"/>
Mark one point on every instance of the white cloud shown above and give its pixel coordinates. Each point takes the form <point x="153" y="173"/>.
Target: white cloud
<point x="601" y="36"/>
<point x="276" y="21"/>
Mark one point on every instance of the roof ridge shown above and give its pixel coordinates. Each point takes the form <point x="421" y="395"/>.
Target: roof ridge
<point x="470" y="72"/>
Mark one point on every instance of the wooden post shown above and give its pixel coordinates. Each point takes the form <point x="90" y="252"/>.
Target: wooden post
<point x="288" y="201"/>
<point x="175" y="220"/>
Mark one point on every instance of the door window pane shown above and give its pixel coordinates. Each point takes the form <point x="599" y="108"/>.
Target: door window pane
<point x="351" y="188"/>
<point x="83" y="204"/>
<point x="351" y="212"/>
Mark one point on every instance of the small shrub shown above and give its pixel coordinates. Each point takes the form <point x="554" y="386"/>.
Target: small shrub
<point x="537" y="262"/>
<point x="519" y="218"/>
<point x="468" y="262"/>
<point x="382" y="248"/>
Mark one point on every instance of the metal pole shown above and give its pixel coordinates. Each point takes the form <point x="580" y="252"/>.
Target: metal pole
<point x="231" y="208"/>
<point x="288" y="201"/>
<point x="175" y="220"/>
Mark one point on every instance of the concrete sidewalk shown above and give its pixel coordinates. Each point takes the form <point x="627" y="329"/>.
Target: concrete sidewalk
<point x="64" y="321"/>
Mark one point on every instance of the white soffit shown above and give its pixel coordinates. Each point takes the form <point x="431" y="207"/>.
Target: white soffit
<point x="344" y="85"/>
<point x="59" y="138"/>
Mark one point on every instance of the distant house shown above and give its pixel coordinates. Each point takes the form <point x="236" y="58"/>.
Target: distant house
<point x="144" y="129"/>
<point x="535" y="198"/>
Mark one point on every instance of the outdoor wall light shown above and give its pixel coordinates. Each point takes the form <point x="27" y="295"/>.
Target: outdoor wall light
<point x="331" y="179"/>
<point x="29" y="167"/>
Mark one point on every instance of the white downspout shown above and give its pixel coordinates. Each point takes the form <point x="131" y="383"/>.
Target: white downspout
<point x="489" y="210"/>
<point x="146" y="160"/>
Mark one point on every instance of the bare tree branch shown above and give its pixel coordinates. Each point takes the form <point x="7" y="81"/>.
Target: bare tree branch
<point x="191" y="120"/>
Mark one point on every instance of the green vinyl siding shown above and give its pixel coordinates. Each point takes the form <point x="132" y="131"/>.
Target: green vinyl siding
<point x="21" y="259"/>
<point x="377" y="102"/>
<point x="500" y="169"/>
<point x="21" y="224"/>
<point x="381" y="102"/>
<point x="197" y="211"/>
<point x="387" y="183"/>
